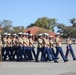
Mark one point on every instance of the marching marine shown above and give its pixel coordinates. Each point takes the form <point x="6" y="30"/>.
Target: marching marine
<point x="5" y="51"/>
<point x="40" y="47"/>
<point x="59" y="48"/>
<point x="9" y="46"/>
<point x="69" y="49"/>
<point x="46" y="47"/>
<point x="15" y="46"/>
<point x="51" y="45"/>
<point x="20" y="47"/>
<point x="31" y="46"/>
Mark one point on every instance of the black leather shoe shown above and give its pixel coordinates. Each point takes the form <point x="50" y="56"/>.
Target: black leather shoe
<point x="56" y="62"/>
<point x="36" y="61"/>
<point x="74" y="59"/>
<point x="65" y="60"/>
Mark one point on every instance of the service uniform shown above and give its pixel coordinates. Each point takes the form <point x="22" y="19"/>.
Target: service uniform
<point x="59" y="49"/>
<point x="69" y="49"/>
<point x="15" y="47"/>
<point x="5" y="51"/>
<point x="20" y="49"/>
<point x="31" y="46"/>
<point x="0" y="48"/>
<point x="52" y="46"/>
<point x="46" y="49"/>
<point x="25" y="48"/>
<point x="9" y="42"/>
<point x="40" y="49"/>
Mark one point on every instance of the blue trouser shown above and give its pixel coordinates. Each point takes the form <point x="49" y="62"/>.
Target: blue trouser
<point x="20" y="53"/>
<point x="47" y="53"/>
<point x="10" y="53"/>
<point x="71" y="51"/>
<point x="59" y="50"/>
<point x="27" y="51"/>
<point x="5" y="52"/>
<point x="42" y="53"/>
<point x="33" y="51"/>
<point x="52" y="53"/>
<point x="15" y="52"/>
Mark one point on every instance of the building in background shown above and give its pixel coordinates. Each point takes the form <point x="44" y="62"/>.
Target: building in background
<point x="36" y="30"/>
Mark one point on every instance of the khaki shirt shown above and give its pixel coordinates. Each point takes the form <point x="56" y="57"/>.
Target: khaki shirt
<point x="58" y="42"/>
<point x="20" y="40"/>
<point x="1" y="43"/>
<point x="51" y="43"/>
<point x="46" y="42"/>
<point x="9" y="40"/>
<point x="68" y="41"/>
<point x="31" y="42"/>
<point x="5" y="42"/>
<point x="40" y="43"/>
<point x="25" y="41"/>
<point x="15" y="42"/>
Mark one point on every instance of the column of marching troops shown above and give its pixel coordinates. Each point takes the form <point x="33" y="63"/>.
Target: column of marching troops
<point x="20" y="47"/>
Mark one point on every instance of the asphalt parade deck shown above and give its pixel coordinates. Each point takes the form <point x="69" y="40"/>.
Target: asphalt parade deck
<point x="40" y="68"/>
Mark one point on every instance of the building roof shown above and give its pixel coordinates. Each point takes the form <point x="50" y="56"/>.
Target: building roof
<point x="33" y="30"/>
